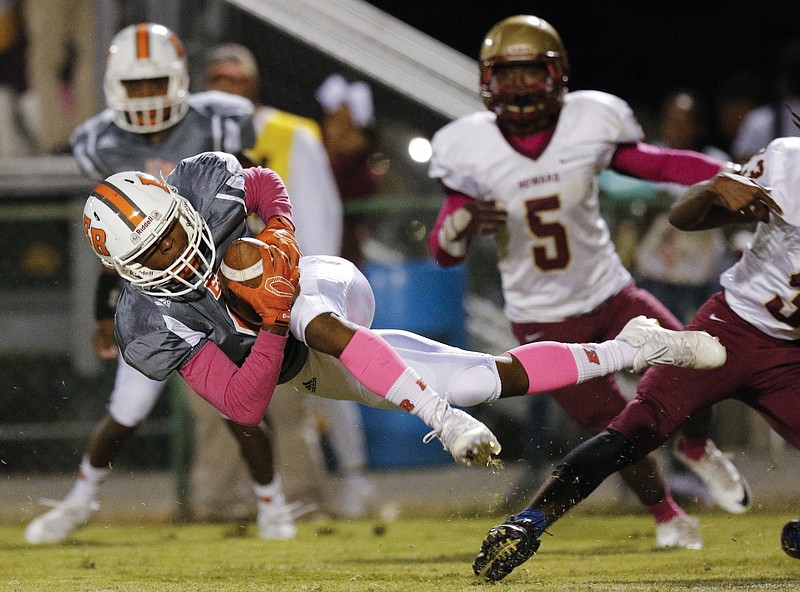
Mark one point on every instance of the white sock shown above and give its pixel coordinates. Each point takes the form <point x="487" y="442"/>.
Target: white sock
<point x="89" y="480"/>
<point x="599" y="359"/>
<point x="272" y="491"/>
<point x="410" y="393"/>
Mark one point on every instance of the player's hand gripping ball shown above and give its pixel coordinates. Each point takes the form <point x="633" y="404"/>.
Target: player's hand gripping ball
<point x="279" y="231"/>
<point x="790" y="538"/>
<point x="258" y="282"/>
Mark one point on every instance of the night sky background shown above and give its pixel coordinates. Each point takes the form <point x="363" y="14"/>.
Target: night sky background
<point x="637" y="50"/>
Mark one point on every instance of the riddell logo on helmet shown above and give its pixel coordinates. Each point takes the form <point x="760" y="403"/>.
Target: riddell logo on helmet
<point x="143" y="226"/>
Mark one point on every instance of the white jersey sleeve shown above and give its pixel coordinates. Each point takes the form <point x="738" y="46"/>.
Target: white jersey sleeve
<point x="556" y="257"/>
<point x="763" y="287"/>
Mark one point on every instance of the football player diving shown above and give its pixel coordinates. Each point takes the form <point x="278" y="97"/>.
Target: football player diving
<point x="166" y="239"/>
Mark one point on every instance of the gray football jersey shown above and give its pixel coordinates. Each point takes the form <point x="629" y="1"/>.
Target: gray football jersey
<point x="158" y="335"/>
<point x="215" y="121"/>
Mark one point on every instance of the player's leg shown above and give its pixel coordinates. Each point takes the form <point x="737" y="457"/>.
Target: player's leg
<point x="345" y="435"/>
<point x="593" y="406"/>
<point x="516" y="540"/>
<point x="665" y="397"/>
<point x="331" y="316"/>
<point x="694" y="445"/>
<point x="275" y="518"/>
<point x="513" y="542"/>
<point x="544" y="366"/>
<point x="132" y="399"/>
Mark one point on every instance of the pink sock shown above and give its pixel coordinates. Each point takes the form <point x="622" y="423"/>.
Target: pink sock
<point x="380" y="368"/>
<point x="692" y="446"/>
<point x="666" y="509"/>
<point x="550" y="365"/>
<point x="372" y="361"/>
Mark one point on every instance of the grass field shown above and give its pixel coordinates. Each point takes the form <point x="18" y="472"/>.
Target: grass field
<point x="587" y="552"/>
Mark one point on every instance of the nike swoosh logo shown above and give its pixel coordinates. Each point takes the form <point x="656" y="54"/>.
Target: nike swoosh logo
<point x="572" y="158"/>
<point x="533" y="336"/>
<point x="714" y="317"/>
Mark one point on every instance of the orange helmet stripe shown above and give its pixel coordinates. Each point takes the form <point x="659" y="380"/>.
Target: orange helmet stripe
<point x="126" y="210"/>
<point x="142" y="42"/>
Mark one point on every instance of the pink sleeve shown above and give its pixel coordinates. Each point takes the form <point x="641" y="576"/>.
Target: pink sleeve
<point x="242" y="394"/>
<point x="265" y="194"/>
<point x="452" y="202"/>
<point x="654" y="163"/>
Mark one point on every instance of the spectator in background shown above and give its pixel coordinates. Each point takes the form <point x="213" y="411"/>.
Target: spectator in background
<point x="60" y="66"/>
<point x="735" y="98"/>
<point x="349" y="135"/>
<point x="681" y="269"/>
<point x="291" y="146"/>
<point x="774" y="119"/>
<point x="12" y="80"/>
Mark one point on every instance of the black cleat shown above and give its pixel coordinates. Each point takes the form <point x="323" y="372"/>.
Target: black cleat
<point x="505" y="547"/>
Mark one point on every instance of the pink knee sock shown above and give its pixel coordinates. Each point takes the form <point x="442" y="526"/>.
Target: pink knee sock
<point x="372" y="361"/>
<point x="550" y="365"/>
<point x="380" y="368"/>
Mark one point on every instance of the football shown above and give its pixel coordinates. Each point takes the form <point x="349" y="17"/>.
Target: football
<point x="241" y="263"/>
<point x="790" y="538"/>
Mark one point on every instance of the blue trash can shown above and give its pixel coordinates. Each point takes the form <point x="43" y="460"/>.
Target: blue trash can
<point x="394" y="441"/>
<point x="418" y="296"/>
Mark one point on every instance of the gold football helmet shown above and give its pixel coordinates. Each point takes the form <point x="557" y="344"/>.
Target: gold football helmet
<point x="524" y="40"/>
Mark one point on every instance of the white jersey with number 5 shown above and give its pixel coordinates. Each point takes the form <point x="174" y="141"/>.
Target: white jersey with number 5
<point x="556" y="259"/>
<point x="763" y="287"/>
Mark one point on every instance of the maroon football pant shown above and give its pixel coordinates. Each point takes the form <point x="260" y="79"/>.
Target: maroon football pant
<point x="761" y="371"/>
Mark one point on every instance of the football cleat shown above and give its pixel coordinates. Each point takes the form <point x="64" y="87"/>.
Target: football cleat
<point x="664" y="347"/>
<point x="56" y="525"/>
<point x="467" y="439"/>
<point x="682" y="532"/>
<point x="790" y="539"/>
<point x="275" y="518"/>
<point x="727" y="486"/>
<point x="505" y="547"/>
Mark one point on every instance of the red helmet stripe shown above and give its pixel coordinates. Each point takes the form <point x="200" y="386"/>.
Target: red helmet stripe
<point x="126" y="210"/>
<point x="142" y="42"/>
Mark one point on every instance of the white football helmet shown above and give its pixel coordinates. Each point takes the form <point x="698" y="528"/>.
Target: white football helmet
<point x="127" y="213"/>
<point x="143" y="52"/>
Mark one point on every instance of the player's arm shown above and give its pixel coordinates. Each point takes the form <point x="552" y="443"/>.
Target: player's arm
<point x="107" y="293"/>
<point x="460" y="218"/>
<point x="667" y="165"/>
<point x="725" y="199"/>
<point x="266" y="196"/>
<point x="241" y="393"/>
